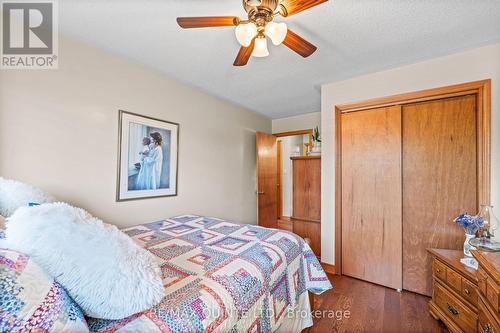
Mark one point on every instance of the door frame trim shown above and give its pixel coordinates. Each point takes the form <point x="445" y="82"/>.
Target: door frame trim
<point x="308" y="131"/>
<point x="292" y="133"/>
<point x="482" y="89"/>
<point x="280" y="180"/>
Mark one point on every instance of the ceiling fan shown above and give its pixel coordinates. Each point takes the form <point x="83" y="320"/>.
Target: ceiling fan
<point x="252" y="33"/>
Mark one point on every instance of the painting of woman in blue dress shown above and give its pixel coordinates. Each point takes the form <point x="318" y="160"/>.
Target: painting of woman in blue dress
<point x="151" y="155"/>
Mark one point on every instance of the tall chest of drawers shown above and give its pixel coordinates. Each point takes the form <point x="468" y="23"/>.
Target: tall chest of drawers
<point x="306" y="216"/>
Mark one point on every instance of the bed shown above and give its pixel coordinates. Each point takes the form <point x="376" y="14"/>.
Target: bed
<point x="225" y="277"/>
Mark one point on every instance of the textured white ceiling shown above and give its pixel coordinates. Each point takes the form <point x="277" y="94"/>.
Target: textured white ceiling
<point x="354" y="37"/>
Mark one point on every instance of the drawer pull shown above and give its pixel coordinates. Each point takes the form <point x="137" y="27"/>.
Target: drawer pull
<point x="467" y="291"/>
<point x="452" y="310"/>
<point x="488" y="329"/>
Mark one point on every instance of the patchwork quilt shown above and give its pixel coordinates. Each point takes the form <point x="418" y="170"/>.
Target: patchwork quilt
<point x="31" y="301"/>
<point x="222" y="277"/>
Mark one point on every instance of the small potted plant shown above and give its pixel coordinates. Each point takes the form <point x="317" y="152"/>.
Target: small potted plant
<point x="316" y="148"/>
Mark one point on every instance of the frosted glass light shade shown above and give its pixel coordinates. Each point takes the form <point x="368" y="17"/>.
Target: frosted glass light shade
<point x="277" y="32"/>
<point x="260" y="50"/>
<point x="245" y="33"/>
<point x="254" y="3"/>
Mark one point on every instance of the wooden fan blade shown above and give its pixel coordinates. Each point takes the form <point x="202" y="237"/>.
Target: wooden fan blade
<point x="207" y="21"/>
<point x="299" y="44"/>
<point x="292" y="7"/>
<point x="244" y="54"/>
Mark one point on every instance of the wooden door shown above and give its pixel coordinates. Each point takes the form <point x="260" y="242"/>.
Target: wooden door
<point x="439" y="181"/>
<point x="267" y="180"/>
<point x="371" y="196"/>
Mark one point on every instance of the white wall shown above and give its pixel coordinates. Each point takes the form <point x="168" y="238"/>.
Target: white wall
<point x="477" y="64"/>
<point x="59" y="130"/>
<point x="295" y="123"/>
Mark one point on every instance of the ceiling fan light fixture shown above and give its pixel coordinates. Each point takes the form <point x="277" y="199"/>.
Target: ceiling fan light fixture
<point x="276" y="32"/>
<point x="245" y="33"/>
<point x="254" y="3"/>
<point x="252" y="33"/>
<point x="260" y="50"/>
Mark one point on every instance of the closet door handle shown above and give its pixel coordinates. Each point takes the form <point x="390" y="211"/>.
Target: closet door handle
<point x="260" y="192"/>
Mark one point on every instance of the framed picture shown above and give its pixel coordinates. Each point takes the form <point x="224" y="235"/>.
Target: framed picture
<point x="147" y="157"/>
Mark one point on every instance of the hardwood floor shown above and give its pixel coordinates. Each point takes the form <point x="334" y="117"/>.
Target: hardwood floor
<point x="372" y="309"/>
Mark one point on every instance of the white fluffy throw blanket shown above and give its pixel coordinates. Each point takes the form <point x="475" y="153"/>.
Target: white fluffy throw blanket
<point x="103" y="270"/>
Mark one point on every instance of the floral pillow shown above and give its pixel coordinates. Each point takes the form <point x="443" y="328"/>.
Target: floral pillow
<point x="31" y="301"/>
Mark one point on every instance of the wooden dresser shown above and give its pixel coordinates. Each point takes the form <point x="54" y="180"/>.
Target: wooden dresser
<point x="454" y="291"/>
<point x="466" y="300"/>
<point x="306" y="216"/>
<point x="488" y="277"/>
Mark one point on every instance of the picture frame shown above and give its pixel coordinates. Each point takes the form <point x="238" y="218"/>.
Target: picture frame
<point x="148" y="157"/>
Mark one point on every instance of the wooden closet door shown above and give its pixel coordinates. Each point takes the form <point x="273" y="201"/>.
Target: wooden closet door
<point x="371" y="196"/>
<point x="439" y="181"/>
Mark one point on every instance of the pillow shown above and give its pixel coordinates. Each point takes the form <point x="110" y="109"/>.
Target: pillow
<point x="14" y="194"/>
<point x="103" y="270"/>
<point x="31" y="301"/>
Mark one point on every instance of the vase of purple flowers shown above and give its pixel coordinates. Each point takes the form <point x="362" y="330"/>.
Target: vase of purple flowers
<point x="471" y="225"/>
